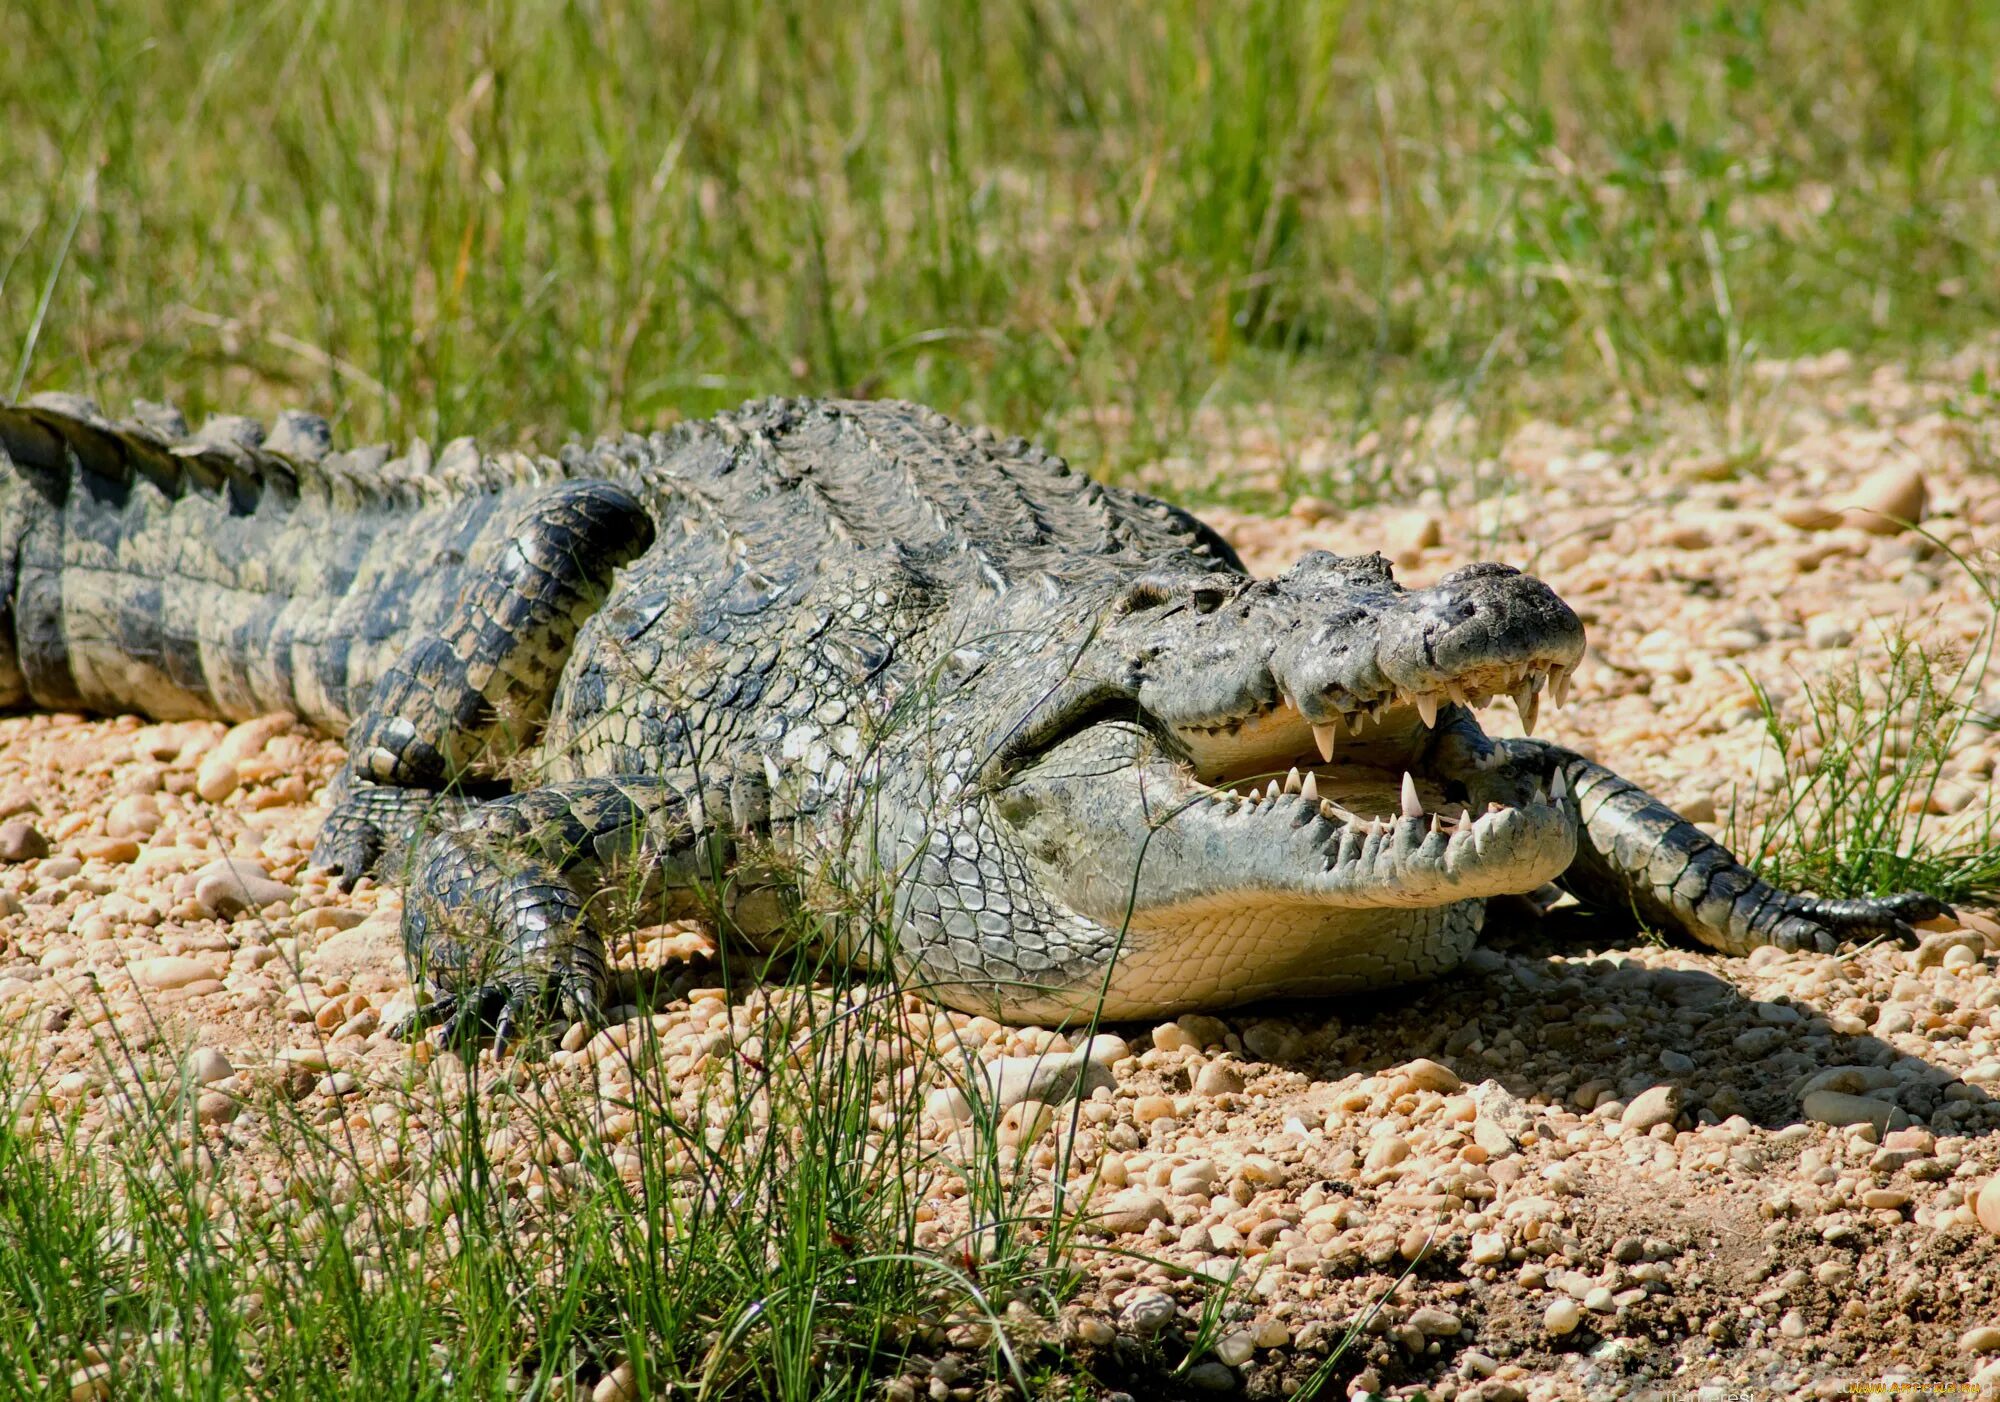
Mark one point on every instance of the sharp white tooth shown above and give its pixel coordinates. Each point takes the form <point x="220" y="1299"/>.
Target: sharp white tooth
<point x="1293" y="782"/>
<point x="1558" y="787"/>
<point x="1271" y="791"/>
<point x="1323" y="736"/>
<point x="1427" y="708"/>
<point x="1456" y="692"/>
<point x="1528" y="703"/>
<point x="1413" y="807"/>
<point x="1559" y="685"/>
<point x="1327" y="810"/>
<point x="1310" y="788"/>
<point x="1434" y="822"/>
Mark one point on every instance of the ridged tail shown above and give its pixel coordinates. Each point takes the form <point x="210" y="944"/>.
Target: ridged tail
<point x="230" y="572"/>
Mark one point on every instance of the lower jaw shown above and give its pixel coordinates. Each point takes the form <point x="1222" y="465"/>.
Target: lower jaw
<point x="1208" y="955"/>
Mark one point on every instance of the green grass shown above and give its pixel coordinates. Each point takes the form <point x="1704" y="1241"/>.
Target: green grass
<point x="1074" y="221"/>
<point x="1862" y="760"/>
<point x="760" y="1240"/>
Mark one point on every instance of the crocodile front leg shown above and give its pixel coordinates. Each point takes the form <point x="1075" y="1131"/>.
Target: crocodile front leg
<point x="461" y="702"/>
<point x="1636" y="854"/>
<point x="504" y="911"/>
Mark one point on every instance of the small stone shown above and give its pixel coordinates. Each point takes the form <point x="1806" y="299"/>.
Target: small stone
<point x="1386" y="1152"/>
<point x="1932" y="949"/>
<point x="1838" y="1108"/>
<point x="1425" y="1074"/>
<point x="22" y="841"/>
<point x="1192" y="1178"/>
<point x="1487" y="1249"/>
<point x="363" y="1023"/>
<point x="1885" y="1199"/>
<point x="1490" y="1136"/>
<point x="1148" y="1312"/>
<point x="135" y="815"/>
<point x="1436" y="1323"/>
<point x="1825" y="633"/>
<point x="1148" y="1108"/>
<point x="1203" y="1030"/>
<point x="1095" y="1330"/>
<point x="1129" y="1212"/>
<point x="1807" y="516"/>
<point x="1982" y="1338"/>
<point x="1986" y="1206"/>
<point x="1656" y="1105"/>
<point x="1218" y="1078"/>
<point x="1405" y="535"/>
<point x="1273" y="1041"/>
<point x="1105" y="1050"/>
<point x="212" y="1107"/>
<point x="1600" y="1300"/>
<point x="1887" y="501"/>
<point x="1562" y="1316"/>
<point x="231" y="886"/>
<point x="116" y="850"/>
<point x="1759" y="1041"/>
<point x="1237" y="1349"/>
<point x="167" y="971"/>
<point x="205" y="1066"/>
<point x="621" y="1384"/>
<point x="1212" y="1376"/>
<point x="1793" y="1325"/>
<point x="1628" y="1249"/>
<point x="216" y="778"/>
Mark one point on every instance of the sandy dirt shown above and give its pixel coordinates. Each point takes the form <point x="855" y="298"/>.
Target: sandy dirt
<point x="1620" y="1168"/>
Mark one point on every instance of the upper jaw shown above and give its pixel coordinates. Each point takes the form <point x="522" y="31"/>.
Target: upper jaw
<point x="1337" y="648"/>
<point x="1392" y="725"/>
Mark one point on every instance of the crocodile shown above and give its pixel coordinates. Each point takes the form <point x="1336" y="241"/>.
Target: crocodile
<point x="1038" y="745"/>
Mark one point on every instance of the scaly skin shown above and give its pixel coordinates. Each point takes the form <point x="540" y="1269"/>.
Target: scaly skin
<point x="1070" y="756"/>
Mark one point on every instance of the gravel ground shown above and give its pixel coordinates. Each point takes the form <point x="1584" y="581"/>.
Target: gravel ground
<point x="1588" y="1165"/>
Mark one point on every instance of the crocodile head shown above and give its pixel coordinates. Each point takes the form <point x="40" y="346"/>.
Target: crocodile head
<point x="1262" y="784"/>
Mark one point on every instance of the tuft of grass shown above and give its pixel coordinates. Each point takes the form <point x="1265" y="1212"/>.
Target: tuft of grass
<point x="752" y="1229"/>
<point x="1855" y="808"/>
<point x="1064" y="219"/>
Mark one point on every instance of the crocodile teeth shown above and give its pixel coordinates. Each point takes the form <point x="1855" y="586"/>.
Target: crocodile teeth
<point x="1559" y="685"/>
<point x="1323" y="736"/>
<point x="1413" y="807"/>
<point x="1427" y="708"/>
<point x="1529" y="703"/>
<point x="1294" y="783"/>
<point x="1558" y="787"/>
<point x="1310" y="788"/>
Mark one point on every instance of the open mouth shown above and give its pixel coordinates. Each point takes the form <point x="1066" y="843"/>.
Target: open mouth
<point x="1376" y="765"/>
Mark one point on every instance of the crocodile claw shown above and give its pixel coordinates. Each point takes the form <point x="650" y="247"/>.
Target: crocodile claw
<point x="1821" y="924"/>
